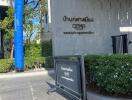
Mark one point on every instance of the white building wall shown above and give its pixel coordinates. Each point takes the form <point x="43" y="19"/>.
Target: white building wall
<point x="108" y="15"/>
<point x="6" y="2"/>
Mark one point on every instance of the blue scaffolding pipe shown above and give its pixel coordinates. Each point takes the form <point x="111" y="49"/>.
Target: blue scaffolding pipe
<point x="18" y="35"/>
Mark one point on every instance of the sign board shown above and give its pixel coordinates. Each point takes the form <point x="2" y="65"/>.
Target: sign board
<point x="78" y="24"/>
<point x="70" y="76"/>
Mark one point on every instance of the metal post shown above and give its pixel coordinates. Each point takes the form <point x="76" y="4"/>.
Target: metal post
<point x="83" y="78"/>
<point x="18" y="35"/>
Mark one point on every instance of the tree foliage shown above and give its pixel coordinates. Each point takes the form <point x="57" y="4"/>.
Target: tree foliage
<point x="8" y="24"/>
<point x="33" y="10"/>
<point x="30" y="27"/>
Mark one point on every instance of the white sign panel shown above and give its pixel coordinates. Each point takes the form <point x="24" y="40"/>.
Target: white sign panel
<point x="6" y="2"/>
<point x="125" y="29"/>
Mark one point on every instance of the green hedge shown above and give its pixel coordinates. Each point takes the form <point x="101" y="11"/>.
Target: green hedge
<point x="33" y="57"/>
<point x="33" y="50"/>
<point x="31" y="62"/>
<point x="49" y="62"/>
<point x="113" y="73"/>
<point x="5" y="65"/>
<point x="46" y="48"/>
<point x="39" y="50"/>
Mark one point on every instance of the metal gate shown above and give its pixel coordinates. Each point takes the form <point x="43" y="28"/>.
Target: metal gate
<point x="70" y="76"/>
<point x="120" y="44"/>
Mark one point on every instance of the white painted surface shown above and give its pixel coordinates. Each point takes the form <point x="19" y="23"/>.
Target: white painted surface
<point x="6" y="2"/>
<point x="49" y="10"/>
<point x="27" y="74"/>
<point x="108" y="15"/>
<point x="125" y="29"/>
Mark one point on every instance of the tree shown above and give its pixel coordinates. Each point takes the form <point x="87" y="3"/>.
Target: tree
<point x="34" y="9"/>
<point x="43" y="12"/>
<point x="30" y="27"/>
<point x="8" y="26"/>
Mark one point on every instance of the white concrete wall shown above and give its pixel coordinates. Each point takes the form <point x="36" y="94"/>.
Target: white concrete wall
<point x="6" y="2"/>
<point x="108" y="15"/>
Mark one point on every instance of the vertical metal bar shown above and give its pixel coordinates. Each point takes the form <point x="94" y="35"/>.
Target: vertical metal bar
<point x="114" y="44"/>
<point x="18" y="35"/>
<point x="125" y="43"/>
<point x="83" y="78"/>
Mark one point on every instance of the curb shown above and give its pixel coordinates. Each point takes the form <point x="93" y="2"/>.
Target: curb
<point x="25" y="74"/>
<point x="94" y="96"/>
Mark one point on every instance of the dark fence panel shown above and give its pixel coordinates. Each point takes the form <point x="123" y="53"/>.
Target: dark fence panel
<point x="70" y="75"/>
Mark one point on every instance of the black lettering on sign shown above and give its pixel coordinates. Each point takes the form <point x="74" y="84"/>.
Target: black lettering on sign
<point x="88" y="32"/>
<point x="77" y="19"/>
<point x="78" y="26"/>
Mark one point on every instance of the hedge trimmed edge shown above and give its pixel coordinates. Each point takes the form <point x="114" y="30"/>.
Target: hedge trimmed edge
<point x="5" y="65"/>
<point x="112" y="73"/>
<point x="30" y="63"/>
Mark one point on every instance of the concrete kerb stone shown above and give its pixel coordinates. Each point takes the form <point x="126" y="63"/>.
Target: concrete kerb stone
<point x="26" y="74"/>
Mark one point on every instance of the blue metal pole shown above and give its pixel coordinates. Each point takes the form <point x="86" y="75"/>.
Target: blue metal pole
<point x="18" y="35"/>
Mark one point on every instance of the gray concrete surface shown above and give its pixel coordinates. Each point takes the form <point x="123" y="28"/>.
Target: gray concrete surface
<point x="108" y="15"/>
<point x="28" y="88"/>
<point x="94" y="96"/>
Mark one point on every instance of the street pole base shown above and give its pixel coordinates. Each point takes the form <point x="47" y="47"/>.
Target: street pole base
<point x="19" y="70"/>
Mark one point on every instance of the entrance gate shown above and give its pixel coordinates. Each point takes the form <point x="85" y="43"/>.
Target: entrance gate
<point x="70" y="76"/>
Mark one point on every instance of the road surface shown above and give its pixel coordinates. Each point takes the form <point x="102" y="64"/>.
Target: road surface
<point x="28" y="88"/>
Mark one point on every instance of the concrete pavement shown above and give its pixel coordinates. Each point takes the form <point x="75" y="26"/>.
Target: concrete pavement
<point x="28" y="88"/>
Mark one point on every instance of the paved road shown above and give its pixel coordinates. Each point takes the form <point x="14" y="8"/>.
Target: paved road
<point x="28" y="88"/>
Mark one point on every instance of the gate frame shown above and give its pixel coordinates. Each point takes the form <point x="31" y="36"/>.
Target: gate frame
<point x="82" y="73"/>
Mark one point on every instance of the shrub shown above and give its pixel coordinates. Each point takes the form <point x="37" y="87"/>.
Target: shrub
<point x="33" y="50"/>
<point x="31" y="62"/>
<point x="49" y="62"/>
<point x="46" y="48"/>
<point x="5" y="65"/>
<point x="112" y="73"/>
